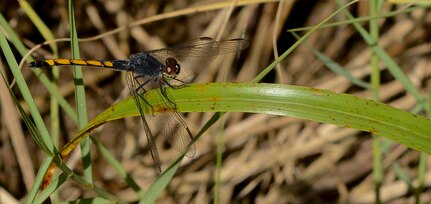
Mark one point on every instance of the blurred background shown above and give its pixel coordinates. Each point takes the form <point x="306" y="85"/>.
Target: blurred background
<point x="266" y="158"/>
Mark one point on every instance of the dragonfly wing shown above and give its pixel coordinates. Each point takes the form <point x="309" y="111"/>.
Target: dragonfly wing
<point x="133" y="84"/>
<point x="171" y="125"/>
<point x="202" y="47"/>
<point x="178" y="133"/>
<point x="196" y="54"/>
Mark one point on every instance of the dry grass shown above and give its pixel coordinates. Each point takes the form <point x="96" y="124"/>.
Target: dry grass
<point x="266" y="158"/>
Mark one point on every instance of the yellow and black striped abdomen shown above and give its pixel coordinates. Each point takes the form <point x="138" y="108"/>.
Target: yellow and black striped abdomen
<point x="63" y="62"/>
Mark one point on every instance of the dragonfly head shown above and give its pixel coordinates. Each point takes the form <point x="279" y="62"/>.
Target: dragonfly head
<point x="172" y="68"/>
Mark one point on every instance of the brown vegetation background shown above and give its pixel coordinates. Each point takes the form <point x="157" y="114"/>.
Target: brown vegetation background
<point x="266" y="158"/>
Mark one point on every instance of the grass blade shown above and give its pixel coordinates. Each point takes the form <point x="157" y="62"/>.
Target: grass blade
<point x="81" y="103"/>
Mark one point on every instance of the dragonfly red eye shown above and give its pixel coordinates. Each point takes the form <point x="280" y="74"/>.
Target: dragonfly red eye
<point x="172" y="66"/>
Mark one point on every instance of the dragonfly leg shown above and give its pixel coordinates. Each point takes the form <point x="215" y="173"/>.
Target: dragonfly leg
<point x="163" y="91"/>
<point x="141" y="86"/>
<point x="143" y="99"/>
<point x="183" y="83"/>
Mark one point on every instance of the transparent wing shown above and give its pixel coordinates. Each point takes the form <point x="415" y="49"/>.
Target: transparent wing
<point x="169" y="124"/>
<point x="133" y="84"/>
<point x="179" y="134"/>
<point x="202" y="47"/>
<point x="196" y="54"/>
<point x="172" y="126"/>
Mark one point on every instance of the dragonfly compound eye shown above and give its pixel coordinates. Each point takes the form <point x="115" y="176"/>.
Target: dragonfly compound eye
<point x="172" y="67"/>
<point x="177" y="69"/>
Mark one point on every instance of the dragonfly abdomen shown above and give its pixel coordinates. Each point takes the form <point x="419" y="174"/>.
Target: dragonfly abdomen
<point x="114" y="64"/>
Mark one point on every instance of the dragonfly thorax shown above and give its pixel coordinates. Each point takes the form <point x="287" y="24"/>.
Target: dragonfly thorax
<point x="172" y="68"/>
<point x="143" y="64"/>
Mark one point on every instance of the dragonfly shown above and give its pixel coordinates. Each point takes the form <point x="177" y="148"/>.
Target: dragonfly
<point x="161" y="68"/>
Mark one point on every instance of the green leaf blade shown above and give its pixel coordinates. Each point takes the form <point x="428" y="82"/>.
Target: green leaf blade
<point x="286" y="100"/>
